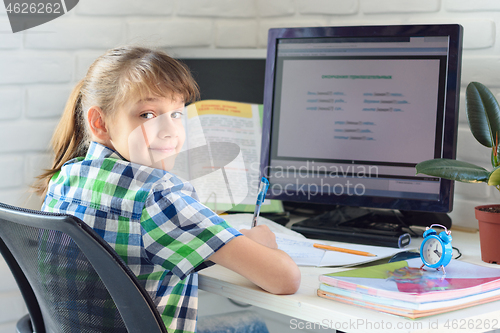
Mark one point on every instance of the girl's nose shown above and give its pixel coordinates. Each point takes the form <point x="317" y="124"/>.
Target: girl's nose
<point x="166" y="126"/>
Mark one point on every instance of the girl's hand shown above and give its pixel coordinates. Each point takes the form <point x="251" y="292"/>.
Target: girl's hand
<point x="256" y="256"/>
<point x="262" y="235"/>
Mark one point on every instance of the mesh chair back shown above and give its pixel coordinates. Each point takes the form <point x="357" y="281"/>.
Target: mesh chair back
<point x="79" y="282"/>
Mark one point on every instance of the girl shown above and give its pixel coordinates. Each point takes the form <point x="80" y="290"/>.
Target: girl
<point x="123" y="189"/>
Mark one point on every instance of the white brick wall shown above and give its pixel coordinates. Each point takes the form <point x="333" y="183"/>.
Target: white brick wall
<point x="471" y="6"/>
<point x="321" y="7"/>
<point x="8" y="40"/>
<point x="177" y="32"/>
<point x="69" y="33"/>
<point x="47" y="101"/>
<point x="275" y="8"/>
<point x="125" y="8"/>
<point x="12" y="98"/>
<point x="27" y="67"/>
<point x="231" y="34"/>
<point x="217" y="8"/>
<point x="399" y="6"/>
<point x="39" y="67"/>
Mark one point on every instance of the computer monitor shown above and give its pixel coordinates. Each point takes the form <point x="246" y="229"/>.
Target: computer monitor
<point x="350" y="111"/>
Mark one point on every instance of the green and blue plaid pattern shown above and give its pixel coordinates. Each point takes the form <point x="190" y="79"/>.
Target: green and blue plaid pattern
<point x="151" y="218"/>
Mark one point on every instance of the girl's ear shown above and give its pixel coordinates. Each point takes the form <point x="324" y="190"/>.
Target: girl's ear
<point x="97" y="125"/>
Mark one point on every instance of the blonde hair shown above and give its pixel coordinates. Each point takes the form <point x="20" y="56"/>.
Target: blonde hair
<point x="111" y="81"/>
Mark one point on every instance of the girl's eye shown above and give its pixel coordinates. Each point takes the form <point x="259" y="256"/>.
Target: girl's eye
<point x="177" y="114"/>
<point x="147" y="115"/>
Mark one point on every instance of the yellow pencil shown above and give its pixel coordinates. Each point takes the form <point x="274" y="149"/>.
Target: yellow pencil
<point x="339" y="249"/>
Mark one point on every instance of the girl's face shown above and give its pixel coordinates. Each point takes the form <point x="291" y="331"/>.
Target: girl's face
<point x="149" y="132"/>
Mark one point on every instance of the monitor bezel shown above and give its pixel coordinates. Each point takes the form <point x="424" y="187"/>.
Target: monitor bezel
<point x="449" y="144"/>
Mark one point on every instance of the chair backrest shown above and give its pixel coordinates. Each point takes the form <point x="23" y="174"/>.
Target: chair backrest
<point x="70" y="278"/>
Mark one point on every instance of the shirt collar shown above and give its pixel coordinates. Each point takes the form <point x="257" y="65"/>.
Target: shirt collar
<point x="100" y="151"/>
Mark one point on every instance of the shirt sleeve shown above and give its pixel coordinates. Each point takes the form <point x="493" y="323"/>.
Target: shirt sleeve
<point x="179" y="232"/>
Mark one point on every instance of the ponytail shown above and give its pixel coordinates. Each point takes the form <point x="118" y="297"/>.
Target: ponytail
<point x="69" y="139"/>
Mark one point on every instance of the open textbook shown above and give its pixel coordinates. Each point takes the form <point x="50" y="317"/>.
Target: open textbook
<point x="221" y="154"/>
<point x="301" y="249"/>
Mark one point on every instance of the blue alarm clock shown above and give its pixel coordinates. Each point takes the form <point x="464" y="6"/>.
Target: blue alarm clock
<point x="436" y="250"/>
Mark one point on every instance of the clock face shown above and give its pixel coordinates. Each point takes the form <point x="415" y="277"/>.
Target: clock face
<point x="432" y="251"/>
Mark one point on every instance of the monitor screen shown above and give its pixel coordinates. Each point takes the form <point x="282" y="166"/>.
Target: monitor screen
<point x="350" y="111"/>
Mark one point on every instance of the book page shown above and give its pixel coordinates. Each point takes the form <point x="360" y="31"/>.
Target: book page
<point x="181" y="166"/>
<point x="226" y="172"/>
<point x="302" y="251"/>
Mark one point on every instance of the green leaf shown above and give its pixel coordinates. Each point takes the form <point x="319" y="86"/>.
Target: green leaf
<point x="494" y="178"/>
<point x="454" y="170"/>
<point x="494" y="161"/>
<point x="483" y="113"/>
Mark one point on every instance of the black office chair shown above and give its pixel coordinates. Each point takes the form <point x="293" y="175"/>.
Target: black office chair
<point x="70" y="278"/>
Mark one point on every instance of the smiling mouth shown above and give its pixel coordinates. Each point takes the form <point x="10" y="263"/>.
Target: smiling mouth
<point x="166" y="150"/>
<point x="163" y="150"/>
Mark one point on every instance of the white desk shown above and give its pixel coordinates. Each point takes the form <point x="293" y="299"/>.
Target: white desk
<point x="306" y="306"/>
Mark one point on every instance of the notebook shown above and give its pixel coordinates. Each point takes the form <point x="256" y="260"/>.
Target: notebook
<point x="301" y="249"/>
<point x="404" y="289"/>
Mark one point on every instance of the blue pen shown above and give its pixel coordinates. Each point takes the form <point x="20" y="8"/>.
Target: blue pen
<point x="264" y="184"/>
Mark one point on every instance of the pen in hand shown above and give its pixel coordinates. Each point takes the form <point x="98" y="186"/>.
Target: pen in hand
<point x="261" y="195"/>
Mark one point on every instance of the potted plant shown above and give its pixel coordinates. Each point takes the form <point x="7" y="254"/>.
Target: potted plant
<point x="483" y="114"/>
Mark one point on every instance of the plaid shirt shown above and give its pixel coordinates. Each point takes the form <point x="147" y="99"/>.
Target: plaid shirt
<point x="151" y="218"/>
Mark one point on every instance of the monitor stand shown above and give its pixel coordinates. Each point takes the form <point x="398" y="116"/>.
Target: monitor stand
<point x="368" y="226"/>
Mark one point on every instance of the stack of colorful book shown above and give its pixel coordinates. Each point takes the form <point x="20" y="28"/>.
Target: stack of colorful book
<point x="403" y="289"/>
